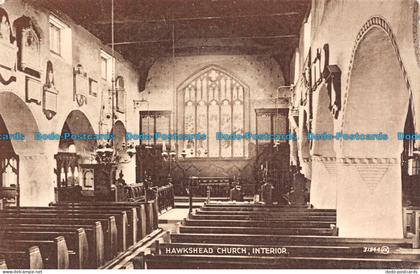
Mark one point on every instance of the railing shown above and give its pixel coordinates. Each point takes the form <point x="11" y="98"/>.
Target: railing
<point x="217" y="186"/>
<point x="211" y="186"/>
<point x="134" y="193"/>
<point x="166" y="197"/>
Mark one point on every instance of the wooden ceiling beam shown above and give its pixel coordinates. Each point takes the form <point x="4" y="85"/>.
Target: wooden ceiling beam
<point x="189" y="19"/>
<point x="275" y="37"/>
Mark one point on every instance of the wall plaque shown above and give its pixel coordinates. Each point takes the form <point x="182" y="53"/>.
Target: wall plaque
<point x="33" y="90"/>
<point x="50" y="93"/>
<point x="28" y="41"/>
<point x="81" y="85"/>
<point x="8" y="50"/>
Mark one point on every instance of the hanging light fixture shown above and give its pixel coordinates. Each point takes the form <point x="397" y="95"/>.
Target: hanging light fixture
<point x="105" y="152"/>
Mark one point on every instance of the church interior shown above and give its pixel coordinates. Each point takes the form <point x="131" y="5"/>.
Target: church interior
<point x="197" y="134"/>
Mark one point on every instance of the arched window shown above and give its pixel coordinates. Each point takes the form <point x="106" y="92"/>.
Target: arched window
<point x="213" y="101"/>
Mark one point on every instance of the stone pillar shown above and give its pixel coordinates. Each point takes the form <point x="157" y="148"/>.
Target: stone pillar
<point x="369" y="200"/>
<point x="36" y="180"/>
<point x="324" y="182"/>
<point x="306" y="164"/>
<point x="129" y="170"/>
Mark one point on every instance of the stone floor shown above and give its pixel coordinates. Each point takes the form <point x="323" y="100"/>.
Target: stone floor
<point x="169" y="220"/>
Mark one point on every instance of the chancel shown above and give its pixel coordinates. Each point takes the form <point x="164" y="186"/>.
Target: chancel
<point x="209" y="134"/>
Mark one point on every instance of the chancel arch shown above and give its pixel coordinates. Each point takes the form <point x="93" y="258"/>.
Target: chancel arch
<point x="376" y="102"/>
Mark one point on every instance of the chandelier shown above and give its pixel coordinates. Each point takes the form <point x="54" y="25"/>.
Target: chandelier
<point x="106" y="152"/>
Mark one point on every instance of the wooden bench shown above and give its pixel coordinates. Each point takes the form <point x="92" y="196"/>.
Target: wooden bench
<point x="135" y="193"/>
<point x="268" y="237"/>
<point x="270" y="208"/>
<point x="94" y="235"/>
<point x="134" y="216"/>
<point x="151" y="209"/>
<point x="54" y="252"/>
<point x="249" y="204"/>
<point x="144" y="220"/>
<point x="257" y="262"/>
<point x="115" y="224"/>
<point x="256" y="230"/>
<point x="77" y="243"/>
<point x="166" y="197"/>
<point x="21" y="258"/>
<point x="232" y="211"/>
<point x="284" y="240"/>
<point x="350" y="251"/>
<point x="257" y="223"/>
<point x="126" y="226"/>
<point x="108" y="225"/>
<point x="268" y="217"/>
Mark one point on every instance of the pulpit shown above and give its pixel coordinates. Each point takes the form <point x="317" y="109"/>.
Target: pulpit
<point x="104" y="177"/>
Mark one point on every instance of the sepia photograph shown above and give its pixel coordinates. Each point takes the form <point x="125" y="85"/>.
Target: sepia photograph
<point x="209" y="134"/>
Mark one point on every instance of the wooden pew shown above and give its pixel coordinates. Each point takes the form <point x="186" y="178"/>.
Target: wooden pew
<point x="253" y="239"/>
<point x="109" y="227"/>
<point x="135" y="193"/>
<point x="256" y="230"/>
<point x="268" y="217"/>
<point x="94" y="235"/>
<point x="145" y="210"/>
<point x="54" y="252"/>
<point x="76" y="243"/>
<point x="124" y="227"/>
<point x="351" y="251"/>
<point x="249" y="204"/>
<point x="267" y="208"/>
<point x="257" y="262"/>
<point x="226" y="211"/>
<point x="275" y="223"/>
<point x="140" y="208"/>
<point x="21" y="258"/>
<point x="132" y="216"/>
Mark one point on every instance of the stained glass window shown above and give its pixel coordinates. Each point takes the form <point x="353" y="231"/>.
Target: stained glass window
<point x="214" y="102"/>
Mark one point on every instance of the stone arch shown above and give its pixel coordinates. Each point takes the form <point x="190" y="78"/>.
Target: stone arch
<point x="376" y="100"/>
<point x="374" y="23"/>
<point x="35" y="183"/>
<point x="19" y="118"/>
<point x="366" y="108"/>
<point x="77" y="123"/>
